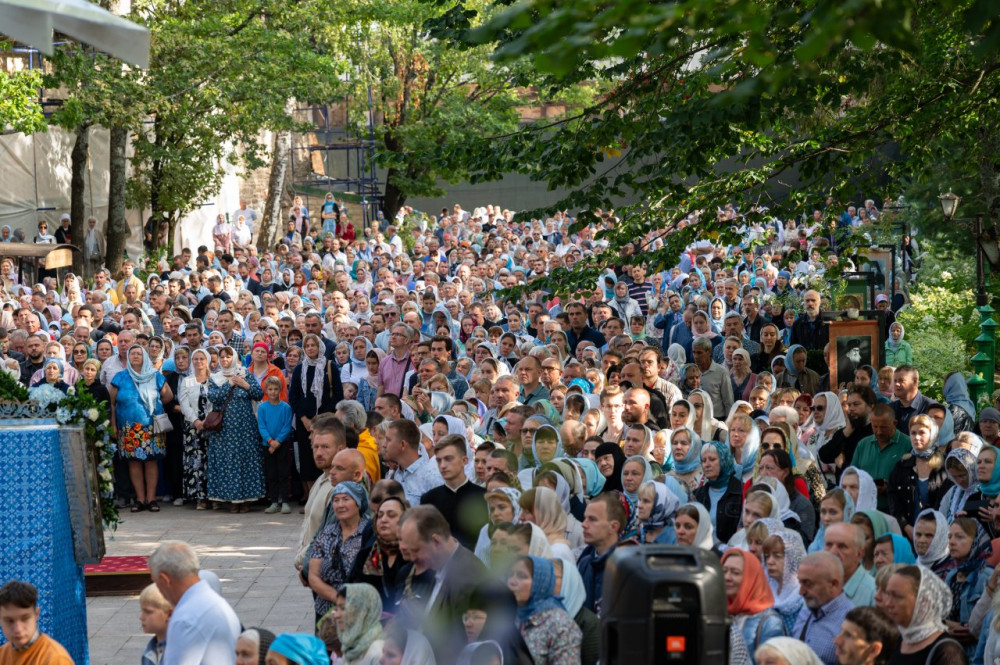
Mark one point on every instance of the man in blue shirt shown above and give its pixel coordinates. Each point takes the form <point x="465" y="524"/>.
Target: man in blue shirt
<point x="821" y="584"/>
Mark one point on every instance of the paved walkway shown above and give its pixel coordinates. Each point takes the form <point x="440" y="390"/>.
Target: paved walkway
<point x="251" y="553"/>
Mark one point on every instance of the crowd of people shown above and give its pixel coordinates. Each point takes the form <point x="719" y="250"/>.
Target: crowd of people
<point x="467" y="464"/>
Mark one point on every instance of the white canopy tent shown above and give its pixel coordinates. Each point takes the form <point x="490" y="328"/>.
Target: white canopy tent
<point x="33" y="21"/>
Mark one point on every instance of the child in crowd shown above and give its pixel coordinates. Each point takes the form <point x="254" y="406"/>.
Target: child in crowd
<point x="154" y="615"/>
<point x="274" y="419"/>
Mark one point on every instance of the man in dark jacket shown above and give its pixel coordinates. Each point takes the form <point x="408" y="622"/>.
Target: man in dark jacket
<point x="603" y="522"/>
<point x="425" y="539"/>
<point x="810" y="330"/>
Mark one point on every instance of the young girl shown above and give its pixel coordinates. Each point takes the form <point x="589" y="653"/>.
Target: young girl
<point x="274" y="419"/>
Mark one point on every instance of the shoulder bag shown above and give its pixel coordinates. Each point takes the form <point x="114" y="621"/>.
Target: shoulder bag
<point x="213" y="421"/>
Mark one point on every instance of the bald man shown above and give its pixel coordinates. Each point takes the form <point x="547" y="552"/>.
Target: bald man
<point x="638" y="409"/>
<point x="348" y="465"/>
<point x="573" y="434"/>
<point x="821" y="585"/>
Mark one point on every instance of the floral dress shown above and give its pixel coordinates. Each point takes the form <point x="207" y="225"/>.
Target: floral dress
<point x="136" y="440"/>
<point x="235" y="454"/>
<point x="196" y="453"/>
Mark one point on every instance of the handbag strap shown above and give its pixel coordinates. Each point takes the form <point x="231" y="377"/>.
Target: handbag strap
<point x="229" y="396"/>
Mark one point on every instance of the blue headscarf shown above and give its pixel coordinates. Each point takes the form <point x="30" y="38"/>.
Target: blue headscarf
<point x="902" y="551"/>
<point x="301" y="648"/>
<point x="543" y="585"/>
<point x="595" y="481"/>
<point x="727" y="465"/>
<point x="717" y="324"/>
<point x="956" y="393"/>
<point x="54" y="361"/>
<point x="559" y="447"/>
<point x="751" y="449"/>
<point x="992" y="487"/>
<point x="692" y="460"/>
<point x="665" y="504"/>
<point x="144" y="380"/>
<point x="355" y="491"/>
<point x="789" y="365"/>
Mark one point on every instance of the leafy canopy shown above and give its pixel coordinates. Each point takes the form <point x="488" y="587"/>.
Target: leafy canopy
<point x="752" y="102"/>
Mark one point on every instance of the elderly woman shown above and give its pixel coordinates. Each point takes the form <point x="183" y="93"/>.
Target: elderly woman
<point x="195" y="405"/>
<point x="341" y="548"/>
<point x="252" y="646"/>
<point x="137" y="394"/>
<point x="235" y="454"/>
<point x="722" y="492"/>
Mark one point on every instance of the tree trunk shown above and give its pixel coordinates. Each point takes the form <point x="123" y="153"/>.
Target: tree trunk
<point x="270" y="225"/>
<point x="78" y="183"/>
<point x="394" y="197"/>
<point x="117" y="229"/>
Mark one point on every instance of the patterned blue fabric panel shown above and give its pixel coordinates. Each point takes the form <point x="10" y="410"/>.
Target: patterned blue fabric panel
<point x="36" y="540"/>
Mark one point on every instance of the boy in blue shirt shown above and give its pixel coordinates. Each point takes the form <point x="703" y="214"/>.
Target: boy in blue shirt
<point x="274" y="420"/>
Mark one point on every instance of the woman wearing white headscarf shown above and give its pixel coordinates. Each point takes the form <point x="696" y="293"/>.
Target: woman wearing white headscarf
<point x="783" y="552"/>
<point x="407" y="647"/>
<point x="196" y="406"/>
<point x="705" y="424"/>
<point x="829" y="419"/>
<point x="693" y="526"/>
<point x="861" y="486"/>
<point x="138" y="393"/>
<point x="235" y="453"/>
<point x="569" y="585"/>
<point x="918" y="601"/>
<point x="930" y="542"/>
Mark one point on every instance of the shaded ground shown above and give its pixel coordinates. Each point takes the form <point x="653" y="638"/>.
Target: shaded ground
<point x="251" y="553"/>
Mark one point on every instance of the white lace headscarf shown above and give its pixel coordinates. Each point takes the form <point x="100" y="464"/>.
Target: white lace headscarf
<point x="795" y="551"/>
<point x="933" y="602"/>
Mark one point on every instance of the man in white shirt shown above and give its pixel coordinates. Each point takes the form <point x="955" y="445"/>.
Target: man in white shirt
<point x="417" y="474"/>
<point x="249" y="214"/>
<point x="203" y="627"/>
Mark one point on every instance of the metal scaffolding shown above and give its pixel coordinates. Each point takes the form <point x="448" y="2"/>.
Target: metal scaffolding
<point x="347" y="161"/>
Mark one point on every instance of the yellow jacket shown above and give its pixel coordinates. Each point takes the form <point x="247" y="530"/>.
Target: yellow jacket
<point x="367" y="447"/>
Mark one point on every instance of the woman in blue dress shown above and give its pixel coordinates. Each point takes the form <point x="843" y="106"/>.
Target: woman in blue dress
<point x="138" y="393"/>
<point x="235" y="454"/>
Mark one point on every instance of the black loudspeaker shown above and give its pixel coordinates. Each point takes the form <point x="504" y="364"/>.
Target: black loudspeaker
<point x="666" y="605"/>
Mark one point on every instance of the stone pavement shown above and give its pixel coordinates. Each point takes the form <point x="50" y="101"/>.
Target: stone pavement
<point x="251" y="553"/>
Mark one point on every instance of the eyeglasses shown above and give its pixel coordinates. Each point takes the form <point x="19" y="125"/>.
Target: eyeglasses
<point x="528" y="430"/>
<point x="817" y="408"/>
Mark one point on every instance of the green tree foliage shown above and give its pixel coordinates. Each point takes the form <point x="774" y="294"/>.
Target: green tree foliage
<point x="714" y="102"/>
<point x="427" y="94"/>
<point x="220" y="73"/>
<point x="19" y="107"/>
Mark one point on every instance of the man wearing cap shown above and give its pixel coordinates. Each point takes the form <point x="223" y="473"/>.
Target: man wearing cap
<point x="989" y="426"/>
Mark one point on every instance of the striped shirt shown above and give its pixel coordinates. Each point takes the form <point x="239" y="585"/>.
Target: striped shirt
<point x="391" y="372"/>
